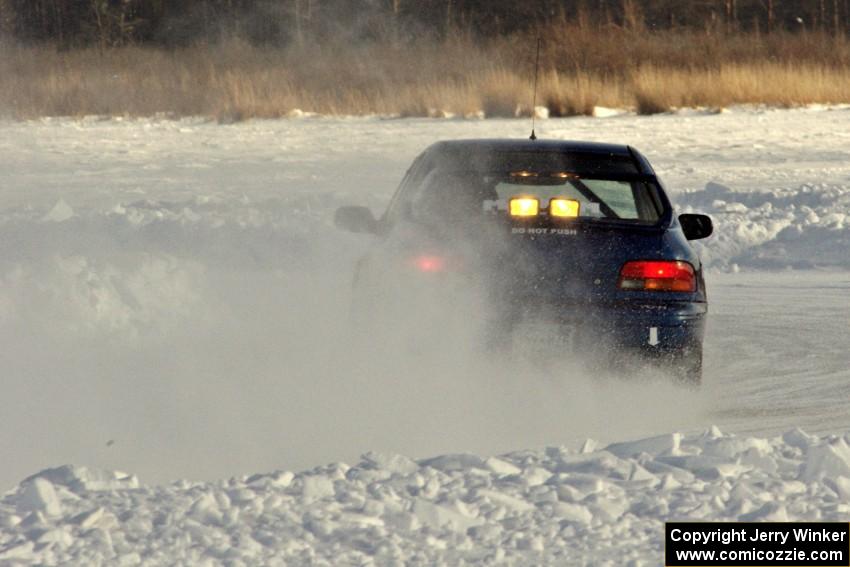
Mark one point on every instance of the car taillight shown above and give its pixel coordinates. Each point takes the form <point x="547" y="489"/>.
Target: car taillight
<point x="429" y="263"/>
<point x="654" y="275"/>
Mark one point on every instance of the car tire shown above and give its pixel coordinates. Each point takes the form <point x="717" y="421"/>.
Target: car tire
<point x="687" y="366"/>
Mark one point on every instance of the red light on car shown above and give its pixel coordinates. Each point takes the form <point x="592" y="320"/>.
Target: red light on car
<point x="656" y="275"/>
<point x="428" y="263"/>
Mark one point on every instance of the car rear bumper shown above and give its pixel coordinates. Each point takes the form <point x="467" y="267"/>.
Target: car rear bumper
<point x="647" y="327"/>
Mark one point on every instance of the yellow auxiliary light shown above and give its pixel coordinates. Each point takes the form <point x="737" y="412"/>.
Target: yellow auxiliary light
<point x="563" y="208"/>
<point x="524" y="207"/>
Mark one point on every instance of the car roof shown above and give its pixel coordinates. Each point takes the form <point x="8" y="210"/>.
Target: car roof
<point x="580" y="157"/>
<point x="525" y="145"/>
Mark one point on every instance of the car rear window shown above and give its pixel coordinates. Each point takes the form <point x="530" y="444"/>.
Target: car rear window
<point x="451" y="197"/>
<point x="602" y="199"/>
<point x="598" y="198"/>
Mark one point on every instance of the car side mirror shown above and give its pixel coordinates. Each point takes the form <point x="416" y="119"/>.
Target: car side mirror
<point x="696" y="227"/>
<point x="356" y="219"/>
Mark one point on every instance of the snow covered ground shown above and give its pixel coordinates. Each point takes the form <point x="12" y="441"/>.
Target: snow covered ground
<point x="170" y="297"/>
<point x="549" y="507"/>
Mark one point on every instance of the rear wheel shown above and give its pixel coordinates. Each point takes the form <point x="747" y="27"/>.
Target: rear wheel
<point x="686" y="366"/>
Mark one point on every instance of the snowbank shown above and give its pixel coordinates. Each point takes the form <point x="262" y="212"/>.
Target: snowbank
<point x="554" y="506"/>
<point x="801" y="228"/>
<point x="145" y="266"/>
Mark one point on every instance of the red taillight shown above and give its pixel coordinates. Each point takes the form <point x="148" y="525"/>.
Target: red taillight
<point x="658" y="276"/>
<point x="428" y="263"/>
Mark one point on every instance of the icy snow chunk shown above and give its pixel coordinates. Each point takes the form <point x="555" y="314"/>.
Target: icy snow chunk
<point x="456" y="462"/>
<point x="223" y="500"/>
<point x="530" y="543"/>
<point x="284" y="479"/>
<point x="281" y="478"/>
<point x="669" y="482"/>
<point x="486" y="532"/>
<point x="662" y="444"/>
<point x="35" y="519"/>
<point x="713" y="189"/>
<point x="38" y="495"/>
<point x="707" y="467"/>
<point x="736" y="208"/>
<point x="78" y="479"/>
<point x="826" y="460"/>
<point x="401" y="521"/>
<point x="57" y="536"/>
<point x="398" y="464"/>
<point x="316" y="488"/>
<point x="9" y="521"/>
<point x="811" y="216"/>
<point x="368" y="474"/>
<point x="500" y="467"/>
<point x="88" y="519"/>
<point x="60" y="212"/>
<point x="798" y="438"/>
<point x="573" y="512"/>
<point x="770" y="512"/>
<point x="607" y="509"/>
<point x="535" y="476"/>
<point x="17" y="552"/>
<point x="298" y="113"/>
<point x="129" y="559"/>
<point x="603" y="464"/>
<point x="577" y="486"/>
<point x="505" y="500"/>
<point x="758" y="460"/>
<point x="569" y="493"/>
<point x="640" y="474"/>
<point x="605" y="112"/>
<point x="841" y="486"/>
<point x="442" y="516"/>
<point x="589" y="446"/>
<point x="352" y="519"/>
<point x="373" y="508"/>
<point x="834" y="220"/>
<point x="713" y="432"/>
<point x="732" y="447"/>
<point x="240" y="496"/>
<point x="205" y="509"/>
<point x="794" y="487"/>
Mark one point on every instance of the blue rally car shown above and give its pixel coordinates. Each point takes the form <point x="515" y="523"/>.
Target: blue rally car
<point x="579" y="236"/>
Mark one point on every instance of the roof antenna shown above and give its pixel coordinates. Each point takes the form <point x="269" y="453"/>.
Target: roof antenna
<point x="534" y="100"/>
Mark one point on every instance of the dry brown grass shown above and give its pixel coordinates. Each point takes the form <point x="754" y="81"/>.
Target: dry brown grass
<point x="659" y="89"/>
<point x="581" y="69"/>
<point x="580" y="93"/>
